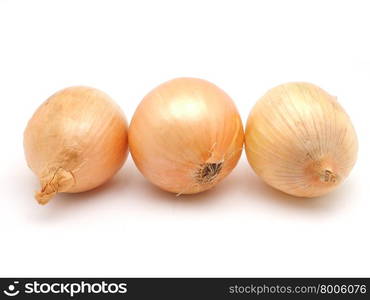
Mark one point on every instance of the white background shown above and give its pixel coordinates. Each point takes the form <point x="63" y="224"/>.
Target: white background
<point x="130" y="228"/>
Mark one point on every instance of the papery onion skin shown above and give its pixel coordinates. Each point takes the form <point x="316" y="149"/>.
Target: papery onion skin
<point x="300" y="140"/>
<point x="75" y="141"/>
<point x="186" y="135"/>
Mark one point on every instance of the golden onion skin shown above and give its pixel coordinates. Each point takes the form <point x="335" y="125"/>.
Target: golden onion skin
<point x="299" y="140"/>
<point x="75" y="141"/>
<point x="186" y="135"/>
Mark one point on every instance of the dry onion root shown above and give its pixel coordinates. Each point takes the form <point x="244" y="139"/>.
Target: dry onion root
<point x="75" y="141"/>
<point x="300" y="140"/>
<point x="186" y="135"/>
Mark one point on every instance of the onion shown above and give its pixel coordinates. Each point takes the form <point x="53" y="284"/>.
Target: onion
<point x="300" y="140"/>
<point x="75" y="141"/>
<point x="186" y="135"/>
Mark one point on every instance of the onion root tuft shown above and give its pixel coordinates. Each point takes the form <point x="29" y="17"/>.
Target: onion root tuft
<point x="208" y="172"/>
